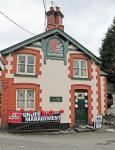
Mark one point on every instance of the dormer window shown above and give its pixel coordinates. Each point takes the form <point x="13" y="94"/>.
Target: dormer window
<point x="26" y="64"/>
<point x="80" y="68"/>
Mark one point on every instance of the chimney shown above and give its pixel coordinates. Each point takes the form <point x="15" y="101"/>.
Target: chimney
<point x="54" y="18"/>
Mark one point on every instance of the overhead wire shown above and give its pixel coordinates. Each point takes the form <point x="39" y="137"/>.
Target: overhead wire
<point x="16" y="24"/>
<point x="44" y="4"/>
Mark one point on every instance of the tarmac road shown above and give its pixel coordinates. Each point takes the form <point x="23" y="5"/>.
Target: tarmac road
<point x="76" y="141"/>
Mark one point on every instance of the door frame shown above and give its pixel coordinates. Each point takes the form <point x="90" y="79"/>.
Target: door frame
<point x="81" y="119"/>
<point x="72" y="103"/>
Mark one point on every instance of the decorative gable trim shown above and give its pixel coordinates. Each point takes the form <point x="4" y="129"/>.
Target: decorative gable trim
<point x="1" y="65"/>
<point x="45" y="35"/>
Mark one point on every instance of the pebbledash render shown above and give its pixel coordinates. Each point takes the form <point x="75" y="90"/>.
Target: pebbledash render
<point x="52" y="71"/>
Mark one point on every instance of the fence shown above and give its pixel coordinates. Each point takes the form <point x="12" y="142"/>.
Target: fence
<point x="33" y="127"/>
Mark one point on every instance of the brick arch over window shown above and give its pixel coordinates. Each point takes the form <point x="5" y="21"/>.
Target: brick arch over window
<point x="9" y="97"/>
<point x="34" y="52"/>
<point x="72" y="102"/>
<point x="79" y="56"/>
<point x="35" y="87"/>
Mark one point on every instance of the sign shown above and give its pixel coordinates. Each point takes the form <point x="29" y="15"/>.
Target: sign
<point x="98" y="123"/>
<point x="14" y="117"/>
<point x="55" y="47"/>
<point x="55" y="99"/>
<point x="24" y="117"/>
<point x="35" y="117"/>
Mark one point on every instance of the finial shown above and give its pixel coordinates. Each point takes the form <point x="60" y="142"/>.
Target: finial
<point x="53" y="3"/>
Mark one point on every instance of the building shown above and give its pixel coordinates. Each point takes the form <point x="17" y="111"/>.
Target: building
<point x="53" y="72"/>
<point x="1" y="68"/>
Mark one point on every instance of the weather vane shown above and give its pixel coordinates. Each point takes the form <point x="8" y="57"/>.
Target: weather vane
<point x="53" y="3"/>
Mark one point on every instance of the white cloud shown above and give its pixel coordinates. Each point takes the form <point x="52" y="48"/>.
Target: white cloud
<point x="85" y="20"/>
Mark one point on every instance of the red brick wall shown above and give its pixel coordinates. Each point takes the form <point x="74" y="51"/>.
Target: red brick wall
<point x="9" y="87"/>
<point x="53" y="26"/>
<point x="9" y="97"/>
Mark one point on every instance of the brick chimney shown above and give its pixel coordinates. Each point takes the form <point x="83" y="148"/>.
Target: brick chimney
<point x="54" y="19"/>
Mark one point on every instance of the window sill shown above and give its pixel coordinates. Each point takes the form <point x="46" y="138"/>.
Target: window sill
<point x="26" y="75"/>
<point x="78" y="78"/>
<point x="25" y="110"/>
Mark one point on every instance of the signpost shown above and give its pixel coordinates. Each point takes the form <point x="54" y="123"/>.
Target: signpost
<point x="98" y="122"/>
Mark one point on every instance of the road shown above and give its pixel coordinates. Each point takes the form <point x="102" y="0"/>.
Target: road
<point x="76" y="141"/>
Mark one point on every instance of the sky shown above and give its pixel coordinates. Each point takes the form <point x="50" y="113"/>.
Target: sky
<point x="86" y="21"/>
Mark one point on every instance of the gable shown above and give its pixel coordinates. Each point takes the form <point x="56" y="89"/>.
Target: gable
<point x="39" y="39"/>
<point x="1" y="65"/>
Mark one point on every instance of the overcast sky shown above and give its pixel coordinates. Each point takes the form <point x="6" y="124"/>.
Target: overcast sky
<point x="85" y="20"/>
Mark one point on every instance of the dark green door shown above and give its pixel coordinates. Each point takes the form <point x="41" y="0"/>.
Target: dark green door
<point x="81" y="110"/>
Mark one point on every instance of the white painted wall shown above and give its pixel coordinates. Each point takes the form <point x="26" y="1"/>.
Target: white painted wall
<point x="54" y="81"/>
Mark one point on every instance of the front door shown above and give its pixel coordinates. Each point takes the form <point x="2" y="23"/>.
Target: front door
<point x="81" y="107"/>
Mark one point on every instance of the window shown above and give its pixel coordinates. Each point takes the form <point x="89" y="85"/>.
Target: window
<point x="25" y="98"/>
<point x="26" y="64"/>
<point x="80" y="68"/>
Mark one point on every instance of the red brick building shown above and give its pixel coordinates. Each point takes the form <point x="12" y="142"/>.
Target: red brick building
<point x="52" y="71"/>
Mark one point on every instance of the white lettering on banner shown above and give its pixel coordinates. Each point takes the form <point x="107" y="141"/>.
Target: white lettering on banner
<point x="37" y="117"/>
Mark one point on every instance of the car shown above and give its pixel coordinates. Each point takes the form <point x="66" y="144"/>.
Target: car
<point x="109" y="100"/>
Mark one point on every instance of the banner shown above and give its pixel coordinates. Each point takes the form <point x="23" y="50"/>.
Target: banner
<point x="14" y="117"/>
<point x="24" y="117"/>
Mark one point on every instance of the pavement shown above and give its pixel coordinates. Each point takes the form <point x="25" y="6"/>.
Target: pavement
<point x="100" y="139"/>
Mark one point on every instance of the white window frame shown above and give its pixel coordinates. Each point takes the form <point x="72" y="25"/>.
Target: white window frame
<point x="25" y="108"/>
<point x="26" y="64"/>
<point x="80" y="69"/>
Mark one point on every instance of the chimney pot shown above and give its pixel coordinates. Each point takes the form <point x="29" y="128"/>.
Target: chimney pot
<point x="51" y="8"/>
<point x="57" y="8"/>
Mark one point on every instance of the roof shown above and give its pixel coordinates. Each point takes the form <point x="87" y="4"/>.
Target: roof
<point x="48" y="33"/>
<point x="103" y="73"/>
<point x="1" y="65"/>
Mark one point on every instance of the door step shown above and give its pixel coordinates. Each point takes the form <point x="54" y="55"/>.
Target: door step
<point x="83" y="128"/>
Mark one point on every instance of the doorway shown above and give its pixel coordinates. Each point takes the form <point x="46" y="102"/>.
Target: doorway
<point x="81" y="107"/>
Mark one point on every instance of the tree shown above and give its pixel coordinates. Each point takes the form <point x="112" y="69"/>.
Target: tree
<point x="107" y="53"/>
